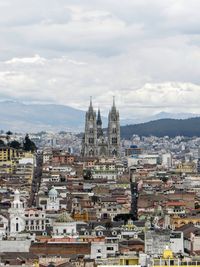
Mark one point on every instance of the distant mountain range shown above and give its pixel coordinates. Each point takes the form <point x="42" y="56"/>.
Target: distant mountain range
<point x="170" y="127"/>
<point x="19" y="117"/>
<point x="158" y="116"/>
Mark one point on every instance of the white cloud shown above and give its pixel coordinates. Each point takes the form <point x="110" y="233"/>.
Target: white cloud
<point x="27" y="60"/>
<point x="145" y="52"/>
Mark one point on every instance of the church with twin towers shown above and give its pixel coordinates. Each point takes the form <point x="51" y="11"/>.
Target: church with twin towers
<point x="95" y="142"/>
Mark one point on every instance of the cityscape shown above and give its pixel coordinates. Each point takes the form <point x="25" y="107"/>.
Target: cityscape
<point x="95" y="199"/>
<point x="99" y="133"/>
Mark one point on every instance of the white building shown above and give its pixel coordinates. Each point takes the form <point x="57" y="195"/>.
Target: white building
<point x="167" y="160"/>
<point x="65" y="226"/>
<point x="104" y="249"/>
<point x="177" y="242"/>
<point x="21" y="218"/>
<point x="143" y="159"/>
<point x="53" y="202"/>
<point x="17" y="212"/>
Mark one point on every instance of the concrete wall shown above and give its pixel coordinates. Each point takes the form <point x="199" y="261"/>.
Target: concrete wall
<point x="15" y="245"/>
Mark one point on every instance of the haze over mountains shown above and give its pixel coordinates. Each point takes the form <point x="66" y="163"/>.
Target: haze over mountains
<point x="19" y="117"/>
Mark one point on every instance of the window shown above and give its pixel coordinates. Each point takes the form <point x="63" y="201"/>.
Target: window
<point x="114" y="152"/>
<point x="114" y="130"/>
<point x="91" y="140"/>
<point x="114" y="140"/>
<point x="98" y="250"/>
<point x="17" y="227"/>
<point x="100" y="233"/>
<point x="110" y="248"/>
<point x="91" y="153"/>
<point x="114" y="233"/>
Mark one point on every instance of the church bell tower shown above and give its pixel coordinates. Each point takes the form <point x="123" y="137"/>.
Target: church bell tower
<point x="90" y="136"/>
<point x="114" y="131"/>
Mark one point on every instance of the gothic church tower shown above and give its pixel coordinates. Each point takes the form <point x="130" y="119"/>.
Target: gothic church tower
<point x="90" y="137"/>
<point x="114" y="131"/>
<point x="94" y="142"/>
<point x="99" y="125"/>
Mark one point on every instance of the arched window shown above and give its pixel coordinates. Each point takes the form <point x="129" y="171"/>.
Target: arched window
<point x="114" y="130"/>
<point x="100" y="233"/>
<point x="91" y="140"/>
<point x="91" y="153"/>
<point x="17" y="227"/>
<point x="91" y="131"/>
<point x="114" y="152"/>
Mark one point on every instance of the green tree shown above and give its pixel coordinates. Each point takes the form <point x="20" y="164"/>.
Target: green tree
<point x="15" y="144"/>
<point x="2" y="143"/>
<point x="28" y="145"/>
<point x="8" y="134"/>
<point x="87" y="174"/>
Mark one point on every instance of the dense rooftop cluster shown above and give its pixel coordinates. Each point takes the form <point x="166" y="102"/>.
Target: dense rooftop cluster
<point x="60" y="208"/>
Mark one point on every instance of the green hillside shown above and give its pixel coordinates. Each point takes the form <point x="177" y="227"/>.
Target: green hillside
<point x="171" y="127"/>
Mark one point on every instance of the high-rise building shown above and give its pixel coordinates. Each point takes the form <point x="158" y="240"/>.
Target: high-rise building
<point x="95" y="142"/>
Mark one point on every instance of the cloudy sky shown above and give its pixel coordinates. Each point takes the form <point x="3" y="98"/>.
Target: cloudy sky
<point x="145" y="52"/>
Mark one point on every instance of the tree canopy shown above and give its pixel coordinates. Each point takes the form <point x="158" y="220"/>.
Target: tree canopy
<point x="15" y="144"/>
<point x="29" y="145"/>
<point x="170" y="127"/>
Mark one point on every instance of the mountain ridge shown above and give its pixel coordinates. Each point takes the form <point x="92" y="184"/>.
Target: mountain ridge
<point x="163" y="127"/>
<point x="20" y="117"/>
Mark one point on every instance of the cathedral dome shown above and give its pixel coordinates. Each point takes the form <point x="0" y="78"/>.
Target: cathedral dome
<point x="64" y="217"/>
<point x="53" y="193"/>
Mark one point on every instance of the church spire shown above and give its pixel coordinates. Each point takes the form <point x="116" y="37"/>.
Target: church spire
<point x="99" y="125"/>
<point x="113" y="101"/>
<point x="113" y="106"/>
<point x="99" y="121"/>
<point x="90" y="110"/>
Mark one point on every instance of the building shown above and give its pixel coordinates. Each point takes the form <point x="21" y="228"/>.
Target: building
<point x="167" y="160"/>
<point x="156" y="241"/>
<point x="22" y="218"/>
<point x="95" y="143"/>
<point x="51" y="202"/>
<point x="17" y="211"/>
<point x="133" y="150"/>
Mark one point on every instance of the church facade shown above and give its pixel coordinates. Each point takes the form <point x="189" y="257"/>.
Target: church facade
<point x="97" y="144"/>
